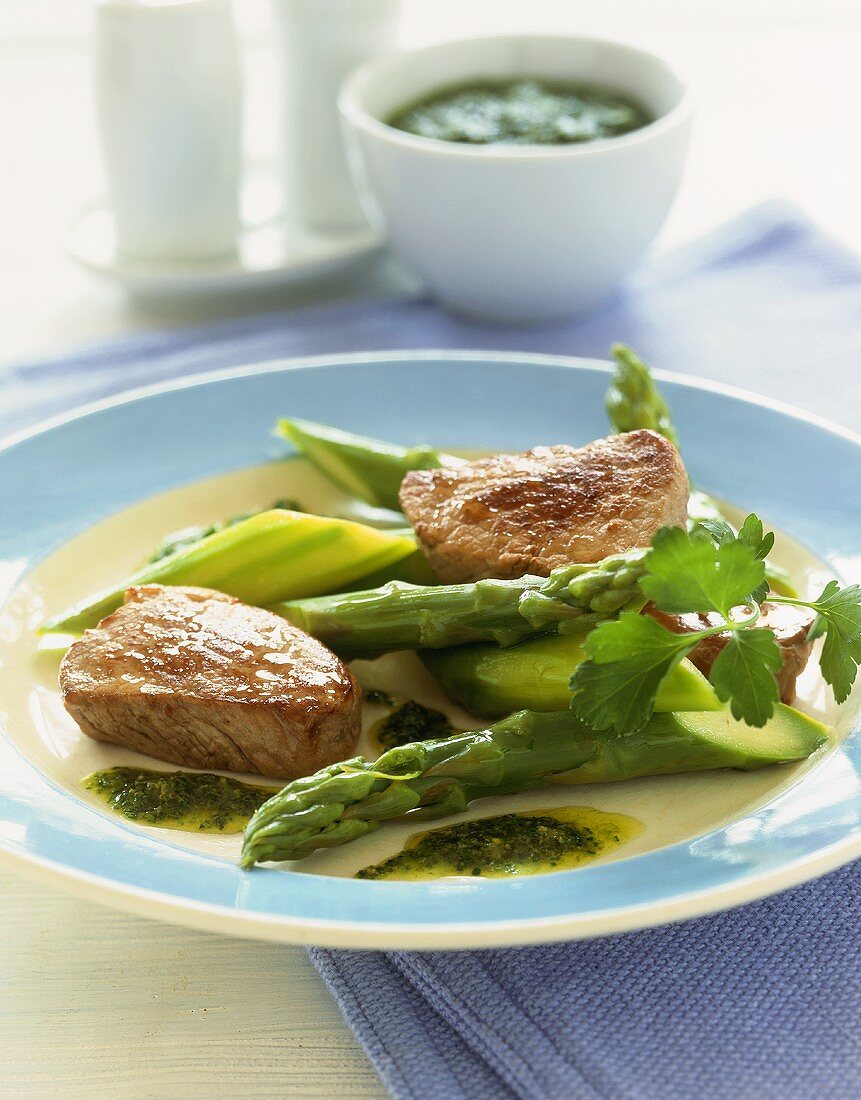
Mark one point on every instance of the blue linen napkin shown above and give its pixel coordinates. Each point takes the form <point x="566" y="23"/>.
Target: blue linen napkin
<point x="762" y="1001"/>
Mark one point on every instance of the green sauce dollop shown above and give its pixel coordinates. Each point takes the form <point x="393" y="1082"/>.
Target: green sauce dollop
<point x="411" y="722"/>
<point x="528" y="843"/>
<point x="523" y="112"/>
<point x="179" y="800"/>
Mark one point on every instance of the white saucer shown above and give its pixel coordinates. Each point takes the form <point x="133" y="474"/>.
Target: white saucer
<point x="271" y="252"/>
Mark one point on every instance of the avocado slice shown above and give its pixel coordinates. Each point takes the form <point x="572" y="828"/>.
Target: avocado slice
<point x="690" y="741"/>
<point x="489" y="680"/>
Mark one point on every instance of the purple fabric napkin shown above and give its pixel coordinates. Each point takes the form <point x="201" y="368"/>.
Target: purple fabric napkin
<point x="760" y="1002"/>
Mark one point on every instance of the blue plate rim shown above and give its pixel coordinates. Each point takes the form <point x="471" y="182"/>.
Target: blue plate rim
<point x="433" y="355"/>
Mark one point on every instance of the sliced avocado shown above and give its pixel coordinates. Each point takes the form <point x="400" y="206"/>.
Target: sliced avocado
<point x="686" y="689"/>
<point x="697" y="741"/>
<point x="788" y="735"/>
<point x="535" y="675"/>
<point x="414" y="569"/>
<point x="268" y="557"/>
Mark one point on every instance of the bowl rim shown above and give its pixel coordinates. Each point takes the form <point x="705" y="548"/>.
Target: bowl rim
<point x="357" y="115"/>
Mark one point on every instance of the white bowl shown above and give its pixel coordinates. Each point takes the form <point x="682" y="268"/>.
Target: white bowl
<point x="519" y="234"/>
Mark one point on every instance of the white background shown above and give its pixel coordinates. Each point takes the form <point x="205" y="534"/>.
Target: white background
<point x="97" y="1004"/>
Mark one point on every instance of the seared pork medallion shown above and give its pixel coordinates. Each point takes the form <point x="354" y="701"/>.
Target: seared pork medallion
<point x="789" y="625"/>
<point x="195" y="677"/>
<point x="509" y="515"/>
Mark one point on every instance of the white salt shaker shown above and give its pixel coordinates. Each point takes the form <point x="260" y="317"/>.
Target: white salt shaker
<point x="169" y="105"/>
<point x="321" y="41"/>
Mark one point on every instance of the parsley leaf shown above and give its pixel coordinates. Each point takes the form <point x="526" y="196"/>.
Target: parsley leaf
<point x="761" y="543"/>
<point x="628" y="658"/>
<point x="839" y="611"/>
<point x="714" y="572"/>
<point x="743" y="675"/>
<point x="752" y="535"/>
<point x="719" y="530"/>
<point x="688" y="572"/>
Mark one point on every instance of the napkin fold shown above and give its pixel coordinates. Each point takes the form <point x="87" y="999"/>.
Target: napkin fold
<point x="759" y="1002"/>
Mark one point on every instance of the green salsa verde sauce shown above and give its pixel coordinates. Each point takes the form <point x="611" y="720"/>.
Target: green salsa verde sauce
<point x="529" y="843"/>
<point x="408" y="722"/>
<point x="189" y="801"/>
<point x="523" y="112"/>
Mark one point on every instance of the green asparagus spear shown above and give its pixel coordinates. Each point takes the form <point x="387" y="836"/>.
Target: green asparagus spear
<point x="366" y="468"/>
<point x="406" y="616"/>
<point x="427" y="779"/>
<point x="400" y="615"/>
<point x="489" y="680"/>
<point x="633" y="400"/>
<point x="432" y="779"/>
<point x="270" y="556"/>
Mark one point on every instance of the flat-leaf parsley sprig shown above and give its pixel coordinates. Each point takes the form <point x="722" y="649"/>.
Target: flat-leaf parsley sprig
<point x="838" y="617"/>
<point x="719" y="572"/>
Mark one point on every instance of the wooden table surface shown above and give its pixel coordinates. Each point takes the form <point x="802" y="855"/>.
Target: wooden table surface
<point x="98" y="1004"/>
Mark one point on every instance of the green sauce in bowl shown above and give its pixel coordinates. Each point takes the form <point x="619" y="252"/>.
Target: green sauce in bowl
<point x="523" y="112"/>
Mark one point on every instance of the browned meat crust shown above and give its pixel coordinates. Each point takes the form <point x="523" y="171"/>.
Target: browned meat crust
<point x="509" y="515"/>
<point x="197" y="678"/>
<point x="789" y="625"/>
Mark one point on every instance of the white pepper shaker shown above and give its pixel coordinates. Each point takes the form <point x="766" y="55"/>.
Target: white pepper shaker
<point x="169" y="106"/>
<point x="321" y="41"/>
